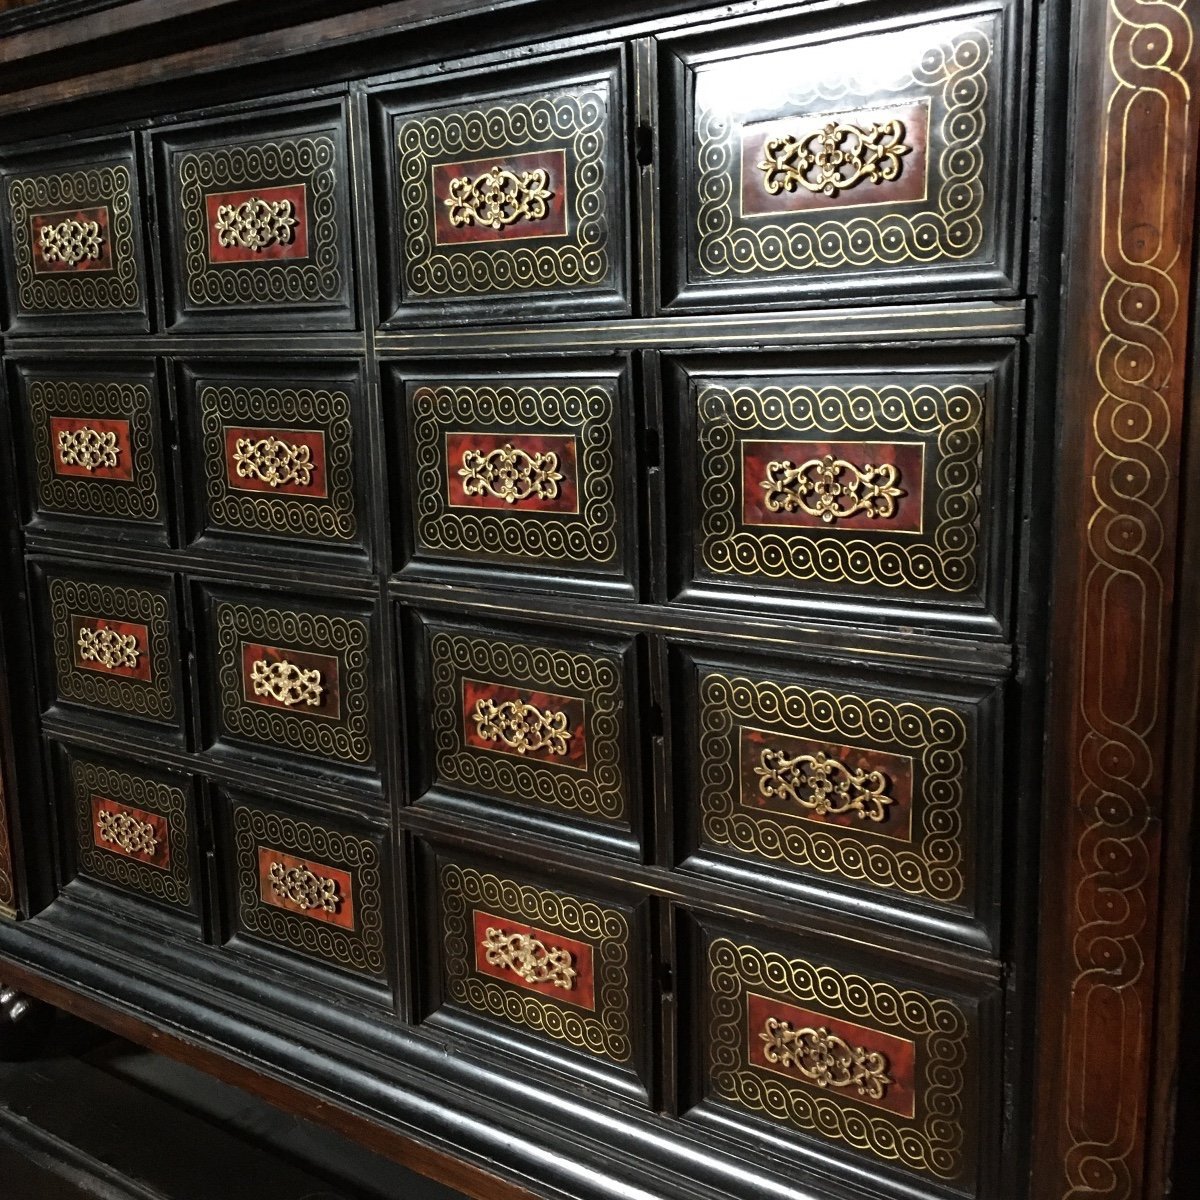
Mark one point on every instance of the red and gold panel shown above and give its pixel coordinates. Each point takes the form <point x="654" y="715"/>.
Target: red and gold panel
<point x="117" y="648"/>
<point x="257" y="224"/>
<point x="291" y="679"/>
<point x="535" y="726"/>
<point x="91" y="448"/>
<point x="133" y="832"/>
<point x="537" y="960"/>
<point x="501" y="199"/>
<point x="316" y="890"/>
<point x="281" y="462"/>
<point x="538" y="472"/>
<point x="73" y="240"/>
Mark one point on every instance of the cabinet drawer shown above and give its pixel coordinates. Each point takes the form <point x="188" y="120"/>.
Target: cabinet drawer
<point x="832" y="162"/>
<point x="525" y="474"/>
<point x="507" y="193"/>
<point x="72" y="240"/>
<point x="258" y="234"/>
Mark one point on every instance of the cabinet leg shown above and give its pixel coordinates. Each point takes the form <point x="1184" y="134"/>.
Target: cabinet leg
<point x="24" y="1024"/>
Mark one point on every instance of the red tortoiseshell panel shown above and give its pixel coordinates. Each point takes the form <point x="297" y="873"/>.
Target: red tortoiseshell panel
<point x="295" y="247"/>
<point x="553" y="224"/>
<point x="140" y="634"/>
<point x="582" y="990"/>
<point x="70" y="425"/>
<point x="907" y="457"/>
<point x="896" y="768"/>
<point x="84" y="216"/>
<point x="910" y="184"/>
<point x="899" y="1094"/>
<point x="161" y="857"/>
<point x="566" y="497"/>
<point x="576" y="744"/>
<point x="313" y="439"/>
<point x="289" y="892"/>
<point x="330" y="700"/>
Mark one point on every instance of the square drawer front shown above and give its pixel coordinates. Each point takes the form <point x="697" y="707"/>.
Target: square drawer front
<point x="276" y="453"/>
<point x="95" y="447"/>
<point x="829" y="162"/>
<point x="865" y="1065"/>
<point x="291" y="676"/>
<point x="110" y="642"/>
<point x="796" y="775"/>
<point x="886" y="481"/>
<point x="259" y="221"/>
<point x="309" y="884"/>
<point x="132" y="827"/>
<point x="524" y="473"/>
<point x="507" y="193"/>
<point x="553" y="963"/>
<point x="72" y="239"/>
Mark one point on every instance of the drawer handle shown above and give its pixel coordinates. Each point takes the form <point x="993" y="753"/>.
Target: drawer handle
<point x="256" y="224"/>
<point x="70" y="242"/>
<point x="286" y="683"/>
<point x="272" y="461"/>
<point x="522" y="727"/>
<point x="532" y="960"/>
<point x="824" y="785"/>
<point x="832" y="488"/>
<point x="498" y="197"/>
<point x="835" y="158"/>
<point x="510" y="474"/>
<point x="88" y="448"/>
<point x="825" y="1059"/>
<point x="304" y="888"/>
<point x="124" y="830"/>
<point x="108" y="648"/>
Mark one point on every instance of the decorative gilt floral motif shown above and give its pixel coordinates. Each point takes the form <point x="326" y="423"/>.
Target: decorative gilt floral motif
<point x="286" y="683"/>
<point x="498" y="198"/>
<point x="529" y="958"/>
<point x="256" y="224"/>
<point x="510" y="474"/>
<point x="825" y="1059"/>
<point x="304" y="888"/>
<point x="523" y="728"/>
<point x="273" y="461"/>
<point x="70" y="242"/>
<point x="108" y="648"/>
<point x="831" y="488"/>
<point x="824" y="785"/>
<point x="126" y="831"/>
<point x="836" y="158"/>
<point x="88" y="448"/>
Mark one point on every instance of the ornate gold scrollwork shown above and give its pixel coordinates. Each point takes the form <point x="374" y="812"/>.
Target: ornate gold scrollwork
<point x="832" y="488"/>
<point x="88" y="448"/>
<point x="824" y="785"/>
<point x="124" y="830"/>
<point x="532" y="960"/>
<point x="825" y="1059"/>
<point x="273" y="461"/>
<point x="108" y="648"/>
<point x="286" y="683"/>
<point x="498" y="198"/>
<point x="510" y="474"/>
<point x="70" y="242"/>
<point x="304" y="888"/>
<point x="256" y="224"/>
<point x="522" y="727"/>
<point x="836" y="158"/>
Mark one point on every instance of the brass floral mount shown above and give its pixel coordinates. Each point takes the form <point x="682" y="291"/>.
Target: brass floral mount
<point x="286" y="683"/>
<point x="124" y="830"/>
<point x="256" y="224"/>
<point x="532" y="960"/>
<point x="825" y="1059"/>
<point x="108" y="648"/>
<point x="832" y="489"/>
<point x="304" y="888"/>
<point x="273" y="462"/>
<point x="837" y="157"/>
<point x="498" y="198"/>
<point x="823" y="784"/>
<point x="510" y="474"/>
<point x="523" y="728"/>
<point x="70" y="242"/>
<point x="88" y="448"/>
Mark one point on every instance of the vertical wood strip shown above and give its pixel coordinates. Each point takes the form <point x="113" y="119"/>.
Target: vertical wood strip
<point x="1122" y="394"/>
